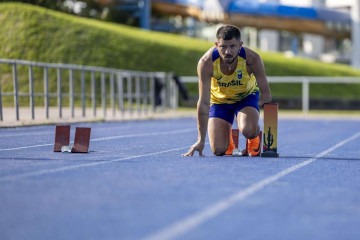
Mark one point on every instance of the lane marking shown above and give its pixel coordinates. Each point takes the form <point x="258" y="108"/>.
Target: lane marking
<point x="27" y="134"/>
<point x="18" y="133"/>
<point x="144" y="134"/>
<point x="107" y="138"/>
<point x="187" y="224"/>
<point x="84" y="165"/>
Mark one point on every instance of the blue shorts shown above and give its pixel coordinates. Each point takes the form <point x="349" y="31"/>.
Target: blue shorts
<point x="228" y="111"/>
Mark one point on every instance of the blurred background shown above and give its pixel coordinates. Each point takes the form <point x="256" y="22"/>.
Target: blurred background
<point x="311" y="48"/>
<point x="327" y="30"/>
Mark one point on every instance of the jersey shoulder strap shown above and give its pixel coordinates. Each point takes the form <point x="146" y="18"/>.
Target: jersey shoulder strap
<point x="216" y="54"/>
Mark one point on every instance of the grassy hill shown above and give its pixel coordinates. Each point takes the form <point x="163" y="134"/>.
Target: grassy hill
<point x="37" y="34"/>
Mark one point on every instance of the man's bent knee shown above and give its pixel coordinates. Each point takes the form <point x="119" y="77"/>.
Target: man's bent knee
<point x="218" y="151"/>
<point x="250" y="133"/>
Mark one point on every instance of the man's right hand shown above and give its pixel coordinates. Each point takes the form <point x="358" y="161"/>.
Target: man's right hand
<point x="198" y="146"/>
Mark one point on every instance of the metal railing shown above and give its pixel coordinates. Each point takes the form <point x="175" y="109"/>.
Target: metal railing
<point x="304" y="80"/>
<point x="78" y="87"/>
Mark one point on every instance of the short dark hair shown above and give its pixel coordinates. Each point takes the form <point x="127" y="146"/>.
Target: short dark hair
<point x="228" y="32"/>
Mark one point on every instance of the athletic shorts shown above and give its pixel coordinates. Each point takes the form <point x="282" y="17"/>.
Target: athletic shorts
<point x="229" y="111"/>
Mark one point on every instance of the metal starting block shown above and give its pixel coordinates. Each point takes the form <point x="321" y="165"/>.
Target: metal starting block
<point x="62" y="137"/>
<point x="237" y="153"/>
<point x="81" y="141"/>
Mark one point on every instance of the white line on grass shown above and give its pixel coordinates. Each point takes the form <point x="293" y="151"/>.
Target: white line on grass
<point x="84" y="165"/>
<point x="185" y="225"/>
<point x="108" y="138"/>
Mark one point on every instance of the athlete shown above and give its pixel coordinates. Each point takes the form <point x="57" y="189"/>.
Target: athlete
<point x="232" y="82"/>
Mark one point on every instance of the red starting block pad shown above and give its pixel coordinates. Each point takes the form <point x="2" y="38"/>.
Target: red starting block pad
<point x="270" y="130"/>
<point x="82" y="140"/>
<point x="62" y="137"/>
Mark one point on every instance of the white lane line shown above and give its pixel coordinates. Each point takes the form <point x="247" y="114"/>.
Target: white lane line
<point x="107" y="138"/>
<point x="84" y="165"/>
<point x="144" y="134"/>
<point x="26" y="134"/>
<point x="185" y="225"/>
<point x="25" y="147"/>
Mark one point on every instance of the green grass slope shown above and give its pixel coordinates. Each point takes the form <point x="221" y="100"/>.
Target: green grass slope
<point x="37" y="34"/>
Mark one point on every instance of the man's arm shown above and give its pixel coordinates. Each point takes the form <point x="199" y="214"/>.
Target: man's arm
<point x="203" y="103"/>
<point x="257" y="68"/>
<point x="204" y="70"/>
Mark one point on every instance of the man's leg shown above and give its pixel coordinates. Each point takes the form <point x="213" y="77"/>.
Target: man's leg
<point x="219" y="135"/>
<point x="248" y="122"/>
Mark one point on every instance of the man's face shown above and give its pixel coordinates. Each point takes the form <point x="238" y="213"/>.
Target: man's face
<point x="228" y="49"/>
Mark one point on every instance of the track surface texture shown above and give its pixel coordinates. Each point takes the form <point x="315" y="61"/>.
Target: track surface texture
<point x="134" y="184"/>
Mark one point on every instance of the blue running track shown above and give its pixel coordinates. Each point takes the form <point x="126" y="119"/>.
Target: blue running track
<point x="134" y="184"/>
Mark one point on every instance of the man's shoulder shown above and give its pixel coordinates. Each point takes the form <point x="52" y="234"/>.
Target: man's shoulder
<point x="207" y="57"/>
<point x="205" y="66"/>
<point x="251" y="56"/>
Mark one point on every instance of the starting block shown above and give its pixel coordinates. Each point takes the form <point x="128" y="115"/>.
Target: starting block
<point x="62" y="137"/>
<point x="270" y="130"/>
<point x="81" y="141"/>
<point x="268" y="137"/>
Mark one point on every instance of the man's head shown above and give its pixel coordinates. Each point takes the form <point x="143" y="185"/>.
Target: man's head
<point x="228" y="42"/>
<point x="228" y="32"/>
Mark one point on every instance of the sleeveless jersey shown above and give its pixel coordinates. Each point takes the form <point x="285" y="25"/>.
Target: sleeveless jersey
<point x="231" y="88"/>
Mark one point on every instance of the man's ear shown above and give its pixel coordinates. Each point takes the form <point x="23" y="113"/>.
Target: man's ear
<point x="216" y="43"/>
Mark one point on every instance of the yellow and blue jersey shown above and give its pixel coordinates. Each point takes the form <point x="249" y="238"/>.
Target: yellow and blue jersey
<point x="231" y="88"/>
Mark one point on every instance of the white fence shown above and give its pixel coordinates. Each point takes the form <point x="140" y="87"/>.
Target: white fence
<point x="305" y="81"/>
<point x="74" y="86"/>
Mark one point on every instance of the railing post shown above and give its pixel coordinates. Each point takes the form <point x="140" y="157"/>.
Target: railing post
<point x="120" y="87"/>
<point x="103" y="94"/>
<point x="305" y="95"/>
<point x="31" y="92"/>
<point x="71" y="92"/>
<point x="144" y="93"/>
<point x="93" y="93"/>
<point x="137" y="94"/>
<point x="164" y="91"/>
<point x="46" y="92"/>
<point x="152" y="92"/>
<point x="59" y="92"/>
<point x="129" y="94"/>
<point x="16" y="91"/>
<point x="112" y="94"/>
<point x="83" y="94"/>
<point x="173" y="90"/>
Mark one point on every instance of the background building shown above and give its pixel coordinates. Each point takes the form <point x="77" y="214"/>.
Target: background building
<point x="327" y="30"/>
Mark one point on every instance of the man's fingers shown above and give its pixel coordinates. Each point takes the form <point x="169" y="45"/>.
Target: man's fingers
<point x="189" y="153"/>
